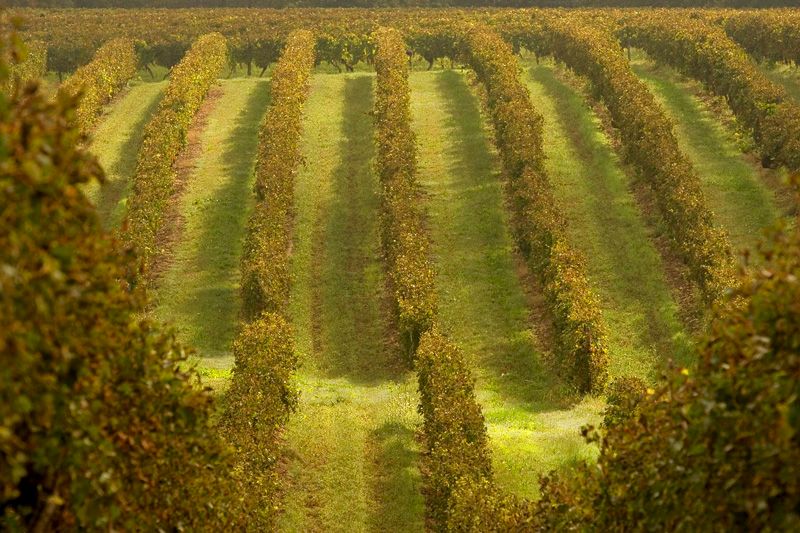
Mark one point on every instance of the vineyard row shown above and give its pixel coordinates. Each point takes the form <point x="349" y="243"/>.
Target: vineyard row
<point x="649" y="146"/>
<point x="164" y="139"/>
<point x="453" y="425"/>
<point x="262" y="393"/>
<point x="704" y="52"/>
<point x="99" y="80"/>
<point x="537" y="221"/>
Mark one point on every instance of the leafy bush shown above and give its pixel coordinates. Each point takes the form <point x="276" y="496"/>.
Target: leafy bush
<point x="164" y="138"/>
<point x="714" y="449"/>
<point x="624" y="396"/>
<point x="537" y="222"/>
<point x="99" y="80"/>
<point x="100" y="428"/>
<point x="484" y="507"/>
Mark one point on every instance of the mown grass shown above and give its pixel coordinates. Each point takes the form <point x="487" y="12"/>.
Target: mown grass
<point x="786" y="75"/>
<point x="533" y="421"/>
<point x="742" y="202"/>
<point x="604" y="222"/>
<point x="198" y="292"/>
<point x="351" y="462"/>
<point x="116" y="142"/>
<point x="352" y="455"/>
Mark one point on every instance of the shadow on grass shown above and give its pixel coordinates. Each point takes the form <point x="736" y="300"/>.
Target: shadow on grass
<point x="221" y="234"/>
<point x="396" y="483"/>
<point x="354" y="329"/>
<point x="631" y="273"/>
<point x="112" y="192"/>
<point x="496" y="314"/>
<point x="742" y="203"/>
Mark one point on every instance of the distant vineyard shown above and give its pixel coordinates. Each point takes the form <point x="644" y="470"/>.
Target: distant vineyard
<point x="102" y="423"/>
<point x="395" y="3"/>
<point x="537" y="220"/>
<point x="99" y="80"/>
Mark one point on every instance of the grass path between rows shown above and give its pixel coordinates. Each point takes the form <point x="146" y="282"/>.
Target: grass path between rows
<point x="352" y="453"/>
<point x="786" y="75"/>
<point x="533" y="427"/>
<point x="741" y="200"/>
<point x="116" y="142"/>
<point x="605" y="224"/>
<point x="198" y="292"/>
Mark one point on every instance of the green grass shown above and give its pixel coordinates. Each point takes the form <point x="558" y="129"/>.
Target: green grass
<point x="198" y="293"/>
<point x="49" y="83"/>
<point x="742" y="203"/>
<point x="604" y="223"/>
<point x="352" y="451"/>
<point x="351" y="462"/>
<point x="116" y="142"/>
<point x="533" y="423"/>
<point x="786" y="75"/>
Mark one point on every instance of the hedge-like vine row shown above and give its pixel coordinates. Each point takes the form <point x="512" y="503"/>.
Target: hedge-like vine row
<point x="538" y="225"/>
<point x="29" y="66"/>
<point x="165" y="137"/>
<point x="457" y="456"/>
<point x="770" y="35"/>
<point x="405" y="242"/>
<point x="103" y="428"/>
<point x="703" y="51"/>
<point x="649" y="144"/>
<point x="261" y="397"/>
<point x="459" y="489"/>
<point x="98" y="81"/>
<point x="265" y="261"/>
<point x="262" y="394"/>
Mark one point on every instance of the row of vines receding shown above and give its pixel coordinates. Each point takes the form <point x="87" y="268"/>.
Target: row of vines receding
<point x="164" y="139"/>
<point x="536" y="220"/>
<point x="262" y="393"/>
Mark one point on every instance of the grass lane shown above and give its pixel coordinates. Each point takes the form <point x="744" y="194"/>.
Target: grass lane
<point x="351" y="463"/>
<point x="116" y="142"/>
<point x="199" y="291"/>
<point x="604" y="223"/>
<point x="786" y="75"/>
<point x="534" y="426"/>
<point x="740" y="199"/>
